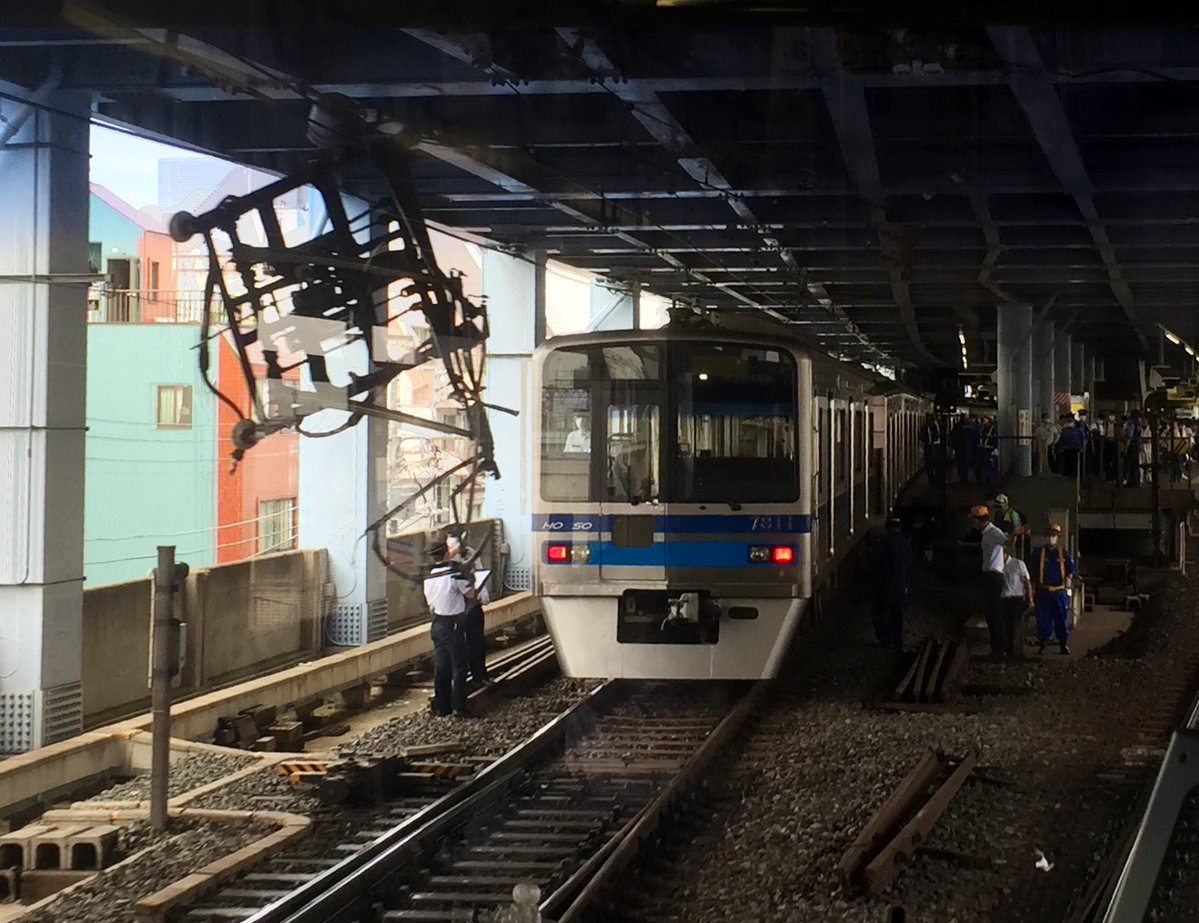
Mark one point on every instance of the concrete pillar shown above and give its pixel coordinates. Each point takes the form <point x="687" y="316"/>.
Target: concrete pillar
<point x="1014" y="371"/>
<point x="1078" y="361"/>
<point x="1042" y="369"/>
<point x="43" y="337"/>
<point x="614" y="310"/>
<point x="1063" y="351"/>
<point x="343" y="489"/>
<point x="515" y="292"/>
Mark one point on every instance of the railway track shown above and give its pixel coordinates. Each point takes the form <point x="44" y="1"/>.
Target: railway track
<point x="559" y="815"/>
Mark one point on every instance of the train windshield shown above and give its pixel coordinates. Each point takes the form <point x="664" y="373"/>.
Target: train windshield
<point x="736" y="424"/>
<point x="603" y="436"/>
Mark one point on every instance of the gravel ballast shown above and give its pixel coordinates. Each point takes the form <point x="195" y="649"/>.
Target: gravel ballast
<point x="820" y="764"/>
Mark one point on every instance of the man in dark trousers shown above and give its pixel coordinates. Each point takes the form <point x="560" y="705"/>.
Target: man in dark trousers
<point x="1053" y="569"/>
<point x="448" y="592"/>
<point x="934" y="450"/>
<point x="895" y="569"/>
<point x="476" y="650"/>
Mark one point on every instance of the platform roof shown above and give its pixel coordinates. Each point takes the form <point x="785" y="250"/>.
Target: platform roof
<point x="887" y="183"/>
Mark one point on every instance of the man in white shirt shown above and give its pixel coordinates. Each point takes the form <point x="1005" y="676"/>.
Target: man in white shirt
<point x="476" y="650"/>
<point x="448" y="592"/>
<point x="1047" y="434"/>
<point x="1015" y="601"/>
<point x="992" y="540"/>
<point x="579" y="439"/>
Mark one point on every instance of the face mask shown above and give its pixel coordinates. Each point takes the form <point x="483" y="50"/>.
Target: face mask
<point x="1053" y="541"/>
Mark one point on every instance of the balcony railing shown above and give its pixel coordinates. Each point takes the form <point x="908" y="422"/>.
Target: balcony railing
<point x="142" y="306"/>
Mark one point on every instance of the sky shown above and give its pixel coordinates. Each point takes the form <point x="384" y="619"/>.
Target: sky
<point x="128" y="166"/>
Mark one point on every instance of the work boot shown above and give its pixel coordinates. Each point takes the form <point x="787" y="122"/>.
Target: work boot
<point x="1063" y="648"/>
<point x="1040" y="647"/>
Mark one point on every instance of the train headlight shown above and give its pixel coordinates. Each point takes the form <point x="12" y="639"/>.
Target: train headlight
<point x="580" y="554"/>
<point x="759" y="554"/>
<point x="557" y="553"/>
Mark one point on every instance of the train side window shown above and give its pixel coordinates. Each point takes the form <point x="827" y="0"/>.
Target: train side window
<point x="841" y="437"/>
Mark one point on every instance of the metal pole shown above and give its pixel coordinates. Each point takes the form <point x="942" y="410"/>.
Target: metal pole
<point x="160" y="686"/>
<point x="1155" y="488"/>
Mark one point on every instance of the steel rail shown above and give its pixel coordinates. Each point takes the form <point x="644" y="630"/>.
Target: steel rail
<point x="573" y="897"/>
<point x="340" y="890"/>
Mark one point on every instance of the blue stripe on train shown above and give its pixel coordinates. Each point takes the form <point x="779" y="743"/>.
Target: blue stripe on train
<point x="679" y="524"/>
<point x="671" y="554"/>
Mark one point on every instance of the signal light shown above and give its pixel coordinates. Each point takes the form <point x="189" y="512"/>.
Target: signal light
<point x="771" y="554"/>
<point x="557" y="554"/>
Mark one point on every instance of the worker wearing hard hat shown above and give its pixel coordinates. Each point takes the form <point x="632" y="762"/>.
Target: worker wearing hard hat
<point x="1052" y="570"/>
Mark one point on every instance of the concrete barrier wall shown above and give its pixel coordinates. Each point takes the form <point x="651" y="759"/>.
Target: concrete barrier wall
<point x="241" y="618"/>
<point x="116" y="646"/>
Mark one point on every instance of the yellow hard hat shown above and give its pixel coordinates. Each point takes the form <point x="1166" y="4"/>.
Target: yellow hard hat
<point x="1055" y="528"/>
<point x="980" y="512"/>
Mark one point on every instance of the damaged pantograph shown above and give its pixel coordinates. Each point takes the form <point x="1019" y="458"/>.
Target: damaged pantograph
<point x="315" y="313"/>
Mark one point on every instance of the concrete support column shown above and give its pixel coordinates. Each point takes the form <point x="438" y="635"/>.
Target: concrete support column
<point x="1042" y="369"/>
<point x="43" y="342"/>
<point x="1014" y="371"/>
<point x="515" y="292"/>
<point x="614" y="310"/>
<point x="1078" y="363"/>
<point x="1063" y="352"/>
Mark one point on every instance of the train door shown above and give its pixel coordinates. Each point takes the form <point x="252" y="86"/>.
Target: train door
<point x="821" y="522"/>
<point x="633" y="409"/>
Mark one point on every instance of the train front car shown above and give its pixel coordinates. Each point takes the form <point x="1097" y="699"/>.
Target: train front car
<point x="672" y="515"/>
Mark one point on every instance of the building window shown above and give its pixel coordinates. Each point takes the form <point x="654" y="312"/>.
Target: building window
<point x="95" y="255"/>
<point x="174" y="406"/>
<point x="154" y="279"/>
<point x="276" y="525"/>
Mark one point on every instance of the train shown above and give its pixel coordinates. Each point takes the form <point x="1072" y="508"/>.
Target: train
<point x="695" y="486"/>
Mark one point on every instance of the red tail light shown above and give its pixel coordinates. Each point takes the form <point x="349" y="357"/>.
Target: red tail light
<point x="557" y="554"/>
<point x="782" y="554"/>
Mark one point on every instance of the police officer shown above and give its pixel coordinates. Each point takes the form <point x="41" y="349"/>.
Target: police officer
<point x="448" y="592"/>
<point x="476" y="650"/>
<point x="934" y="449"/>
<point x="1052" y="569"/>
<point x="986" y="458"/>
<point x="895" y="569"/>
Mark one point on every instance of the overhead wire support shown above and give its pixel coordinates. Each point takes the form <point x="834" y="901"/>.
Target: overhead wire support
<point x="315" y="312"/>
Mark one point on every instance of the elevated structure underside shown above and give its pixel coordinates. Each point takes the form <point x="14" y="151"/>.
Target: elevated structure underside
<point x="887" y="186"/>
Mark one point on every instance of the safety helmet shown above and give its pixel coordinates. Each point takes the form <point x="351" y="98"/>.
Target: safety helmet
<point x="1001" y="499"/>
<point x="1054" y="528"/>
<point x="980" y="512"/>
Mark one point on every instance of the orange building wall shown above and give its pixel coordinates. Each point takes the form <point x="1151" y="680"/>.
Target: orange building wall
<point x="268" y="471"/>
<point x="158" y="248"/>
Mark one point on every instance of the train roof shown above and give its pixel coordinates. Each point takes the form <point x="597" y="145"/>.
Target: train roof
<point x="754" y="324"/>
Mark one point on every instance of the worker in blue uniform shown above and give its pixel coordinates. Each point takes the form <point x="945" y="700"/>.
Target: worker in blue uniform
<point x="896" y="567"/>
<point x="933" y="443"/>
<point x="986" y="455"/>
<point x="1052" y="569"/>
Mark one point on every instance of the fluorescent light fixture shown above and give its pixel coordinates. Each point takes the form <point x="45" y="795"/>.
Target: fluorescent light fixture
<point x="1172" y="338"/>
<point x="1190" y="352"/>
<point x="703" y="376"/>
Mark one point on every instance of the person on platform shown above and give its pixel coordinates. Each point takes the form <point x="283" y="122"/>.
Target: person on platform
<point x="964" y="440"/>
<point x="1130" y="446"/>
<point x="1046" y="434"/>
<point x="986" y="458"/>
<point x="476" y="648"/>
<point x="1053" y="568"/>
<point x="1016" y="600"/>
<point x="448" y="592"/>
<point x="992" y="540"/>
<point x="1070" y="445"/>
<point x="1005" y="517"/>
<point x="896" y="566"/>
<point x="933" y="444"/>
